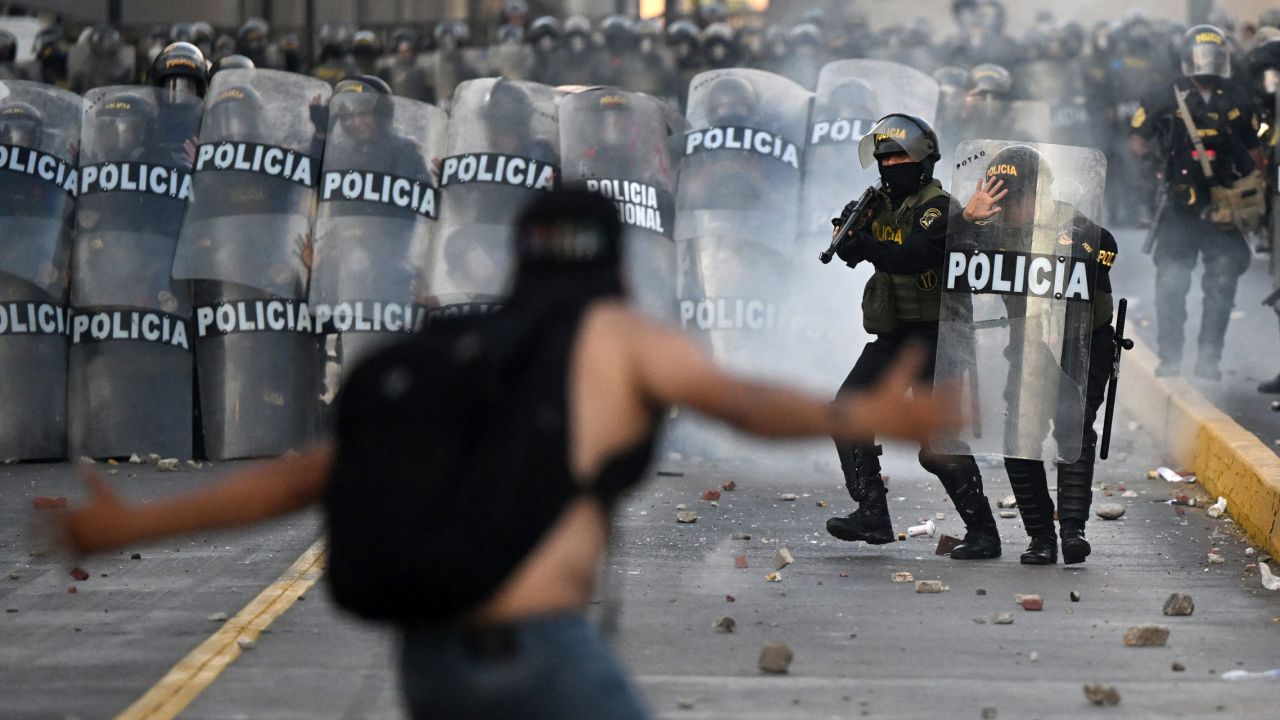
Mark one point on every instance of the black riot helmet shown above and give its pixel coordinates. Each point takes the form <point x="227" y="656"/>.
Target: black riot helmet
<point x="511" y="34"/>
<point x="545" y="27"/>
<point x="231" y="62"/>
<point x="104" y="39"/>
<point x="711" y="13"/>
<point x="619" y="33"/>
<point x="333" y="40"/>
<point x="120" y="122"/>
<point x="515" y="12"/>
<point x="731" y="101"/>
<point x="202" y="34"/>
<point x="366" y="46"/>
<point x="805" y="35"/>
<point x="363" y="106"/>
<point x="901" y="133"/>
<point x="451" y="34"/>
<point x="251" y="39"/>
<point x="20" y="124"/>
<point x="46" y="43"/>
<point x="234" y="113"/>
<point x="720" y="44"/>
<point x="180" y="32"/>
<point x="1028" y="178"/>
<point x="577" y="33"/>
<point x="991" y="79"/>
<point x="8" y="46"/>
<point x="181" y="68"/>
<point x="1206" y="53"/>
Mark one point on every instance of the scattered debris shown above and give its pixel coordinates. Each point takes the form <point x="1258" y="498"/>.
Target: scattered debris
<point x="670" y="473"/>
<point x="741" y="536"/>
<point x="711" y="495"/>
<point x="685" y="703"/>
<point x="1129" y="494"/>
<point x="1269" y="581"/>
<point x="1183" y="500"/>
<point x="1034" y="656"/>
<point x="79" y="574"/>
<point x="218" y="617"/>
<point x="1002" y="619"/>
<point x="194" y="464"/>
<point x="1007" y="501"/>
<point x="1101" y="695"/>
<point x="136" y="556"/>
<point x="775" y="657"/>
<point x="902" y="537"/>
<point x="903" y="577"/>
<point x="246" y="644"/>
<point x="1249" y="552"/>
<point x="740" y="562"/>
<point x="153" y="458"/>
<point x="822" y="503"/>
<point x="927" y="529"/>
<point x="730" y="598"/>
<point x="981" y="591"/>
<point x="1110" y="511"/>
<point x="134" y="459"/>
<point x="946" y="544"/>
<point x="15" y="576"/>
<point x="86" y="460"/>
<point x="940" y="516"/>
<point x="1178" y="667"/>
<point x="724" y="624"/>
<point x="728" y="486"/>
<point x="1146" y="636"/>
<point x="1075" y="596"/>
<point x="1246" y="675"/>
<point x="782" y="558"/>
<point x="1179" y="604"/>
<point x="49" y="503"/>
<point x="1215" y="557"/>
<point x="788" y="497"/>
<point x="686" y="517"/>
<point x="72" y="589"/>
<point x="1217" y="509"/>
<point x="930" y="586"/>
<point x="979" y="621"/>
<point x="773" y="577"/>
<point x="1031" y="602"/>
<point x="1008" y="514"/>
<point x="167" y="465"/>
<point x="1169" y="475"/>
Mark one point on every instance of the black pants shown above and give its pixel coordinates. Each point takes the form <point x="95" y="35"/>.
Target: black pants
<point x="959" y="473"/>
<point x="1183" y="236"/>
<point x="1075" y="480"/>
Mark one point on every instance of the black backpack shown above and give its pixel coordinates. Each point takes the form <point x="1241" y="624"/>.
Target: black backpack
<point x="445" y="476"/>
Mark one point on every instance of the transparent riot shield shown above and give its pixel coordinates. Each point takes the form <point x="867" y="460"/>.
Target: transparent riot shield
<point x="1024" y="120"/>
<point x="254" y="181"/>
<point x="615" y="142"/>
<point x="130" y="382"/>
<point x="377" y="210"/>
<point x="502" y="150"/>
<point x="39" y="137"/>
<point x="737" y="205"/>
<point x="1016" y="316"/>
<point x="246" y="242"/>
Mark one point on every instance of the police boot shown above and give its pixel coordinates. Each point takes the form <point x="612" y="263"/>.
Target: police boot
<point x="1207" y="363"/>
<point x="1031" y="488"/>
<point x="1075" y="491"/>
<point x="870" y="522"/>
<point x="1270" y="387"/>
<point x="963" y="482"/>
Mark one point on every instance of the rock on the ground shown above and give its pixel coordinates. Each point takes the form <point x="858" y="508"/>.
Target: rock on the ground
<point x="1179" y="604"/>
<point x="1100" y="694"/>
<point x="1008" y="514"/>
<point x="724" y="624"/>
<point x="946" y="544"/>
<point x="134" y="459"/>
<point x="1146" y="636"/>
<point x="775" y="657"/>
<point x="728" y="486"/>
<point x="740" y="562"/>
<point x="788" y="497"/>
<point x="1031" y="602"/>
<point x="1178" y="667"/>
<point x="903" y="577"/>
<point x="1110" y="511"/>
<point x="711" y="495"/>
<point x="1002" y="619"/>
<point x="782" y="558"/>
<point x="167" y="465"/>
<point x="218" y="617"/>
<point x="1075" y="596"/>
<point x="1007" y="501"/>
<point x="246" y="643"/>
<point x="930" y="586"/>
<point x="685" y="516"/>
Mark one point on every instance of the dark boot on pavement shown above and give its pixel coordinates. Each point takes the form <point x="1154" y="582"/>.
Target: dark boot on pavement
<point x="1075" y="492"/>
<point x="963" y="482"/>
<point x="1042" y="550"/>
<point x="870" y="523"/>
<point x="1270" y="387"/>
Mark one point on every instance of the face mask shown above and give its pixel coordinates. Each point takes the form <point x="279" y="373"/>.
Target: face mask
<point x="901" y="179"/>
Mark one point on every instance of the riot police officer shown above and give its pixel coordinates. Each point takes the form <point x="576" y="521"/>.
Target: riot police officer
<point x="366" y="49"/>
<point x="1227" y="124"/>
<point x="365" y="114"/>
<point x="902" y="233"/>
<point x="545" y="36"/>
<point x="8" y="53"/>
<point x="579" y="53"/>
<point x="1017" y="195"/>
<point x="334" y="62"/>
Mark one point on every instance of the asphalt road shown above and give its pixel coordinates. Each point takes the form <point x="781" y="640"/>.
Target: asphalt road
<point x="1252" y="351"/>
<point x="864" y="646"/>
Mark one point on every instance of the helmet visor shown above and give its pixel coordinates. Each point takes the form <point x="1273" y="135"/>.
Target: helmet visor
<point x="1207" y="60"/>
<point x="892" y="135"/>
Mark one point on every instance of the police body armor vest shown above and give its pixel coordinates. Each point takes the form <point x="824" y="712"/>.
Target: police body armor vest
<point x="892" y="299"/>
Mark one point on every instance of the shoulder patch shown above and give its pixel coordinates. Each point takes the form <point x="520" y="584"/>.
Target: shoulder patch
<point x="1233" y="114"/>
<point x="1139" y="118"/>
<point x="929" y="217"/>
<point x="927" y="280"/>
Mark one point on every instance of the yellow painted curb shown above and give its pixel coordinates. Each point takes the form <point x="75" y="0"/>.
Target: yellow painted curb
<point x="1228" y="460"/>
<point x="186" y="680"/>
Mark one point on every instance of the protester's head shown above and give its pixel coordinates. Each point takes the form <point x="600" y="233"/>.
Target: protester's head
<point x="570" y="238"/>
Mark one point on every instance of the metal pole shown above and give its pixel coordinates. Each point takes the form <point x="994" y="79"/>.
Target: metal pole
<point x="115" y="12"/>
<point x="309" y="32"/>
<point x="268" y="11"/>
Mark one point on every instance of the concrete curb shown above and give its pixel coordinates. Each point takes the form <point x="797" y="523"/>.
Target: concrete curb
<point x="1228" y="460"/>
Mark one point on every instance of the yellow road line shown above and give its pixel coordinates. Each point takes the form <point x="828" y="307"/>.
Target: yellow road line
<point x="195" y="672"/>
